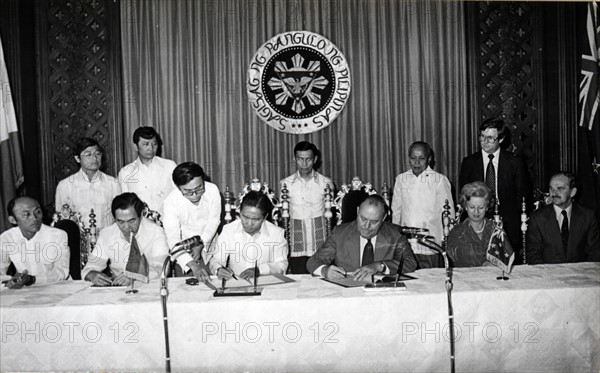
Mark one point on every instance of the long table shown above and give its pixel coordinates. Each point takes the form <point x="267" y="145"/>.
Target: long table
<point x="544" y="318"/>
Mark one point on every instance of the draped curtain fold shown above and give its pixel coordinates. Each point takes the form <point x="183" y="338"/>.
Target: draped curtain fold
<point x="185" y="63"/>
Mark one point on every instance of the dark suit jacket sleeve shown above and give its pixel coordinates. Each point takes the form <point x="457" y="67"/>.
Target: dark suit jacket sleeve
<point x="325" y="255"/>
<point x="402" y="254"/>
<point x="592" y="249"/>
<point x="463" y="177"/>
<point x="535" y="241"/>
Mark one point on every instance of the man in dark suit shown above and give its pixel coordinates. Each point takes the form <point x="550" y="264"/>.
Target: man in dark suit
<point x="363" y="247"/>
<point x="563" y="232"/>
<point x="503" y="172"/>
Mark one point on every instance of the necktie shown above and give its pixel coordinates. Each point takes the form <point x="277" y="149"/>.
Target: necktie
<point x="564" y="231"/>
<point x="368" y="254"/>
<point x="490" y="175"/>
<point x="137" y="265"/>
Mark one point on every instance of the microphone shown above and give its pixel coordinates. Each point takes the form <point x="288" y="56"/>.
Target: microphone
<point x="186" y="245"/>
<point x="414" y="230"/>
<point x="430" y="244"/>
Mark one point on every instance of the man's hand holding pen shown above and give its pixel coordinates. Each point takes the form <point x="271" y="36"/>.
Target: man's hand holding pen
<point x="333" y="272"/>
<point x="368" y="270"/>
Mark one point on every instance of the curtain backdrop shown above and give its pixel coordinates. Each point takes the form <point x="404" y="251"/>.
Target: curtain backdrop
<point x="185" y="63"/>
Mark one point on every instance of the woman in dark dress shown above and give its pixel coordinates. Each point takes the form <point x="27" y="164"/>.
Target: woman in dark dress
<point x="468" y="241"/>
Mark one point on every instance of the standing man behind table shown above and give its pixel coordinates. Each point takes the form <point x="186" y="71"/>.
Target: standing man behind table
<point x="504" y="173"/>
<point x="89" y="188"/>
<point x="364" y="247"/>
<point x="39" y="253"/>
<point x="116" y="242"/>
<point x="418" y="201"/>
<point x="563" y="232"/>
<point x="192" y="209"/>
<point x="149" y="176"/>
<point x="306" y="191"/>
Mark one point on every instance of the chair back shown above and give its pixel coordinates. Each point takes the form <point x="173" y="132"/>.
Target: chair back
<point x="152" y="215"/>
<point x="232" y="205"/>
<point x="74" y="242"/>
<point x="88" y="233"/>
<point x="351" y="196"/>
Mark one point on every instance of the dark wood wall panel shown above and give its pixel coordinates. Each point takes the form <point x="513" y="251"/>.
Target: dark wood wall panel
<point x="80" y="83"/>
<point x="522" y="66"/>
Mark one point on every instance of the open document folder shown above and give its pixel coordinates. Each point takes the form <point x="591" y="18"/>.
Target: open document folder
<point x="261" y="281"/>
<point x="349" y="282"/>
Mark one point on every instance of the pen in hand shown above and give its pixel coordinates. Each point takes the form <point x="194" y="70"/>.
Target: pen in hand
<point x="227" y="268"/>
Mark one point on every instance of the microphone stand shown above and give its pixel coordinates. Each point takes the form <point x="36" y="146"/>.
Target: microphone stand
<point x="434" y="246"/>
<point x="186" y="246"/>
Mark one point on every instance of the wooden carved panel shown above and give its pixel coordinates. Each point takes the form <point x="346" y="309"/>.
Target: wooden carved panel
<point x="77" y="98"/>
<point x="506" y="82"/>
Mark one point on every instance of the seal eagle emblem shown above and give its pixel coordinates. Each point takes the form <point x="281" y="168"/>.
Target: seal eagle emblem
<point x="298" y="82"/>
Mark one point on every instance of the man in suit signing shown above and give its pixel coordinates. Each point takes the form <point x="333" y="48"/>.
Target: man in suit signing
<point x="563" y="232"/>
<point x="363" y="247"/>
<point x="504" y="173"/>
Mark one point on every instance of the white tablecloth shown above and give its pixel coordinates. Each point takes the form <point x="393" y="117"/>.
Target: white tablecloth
<point x="545" y="318"/>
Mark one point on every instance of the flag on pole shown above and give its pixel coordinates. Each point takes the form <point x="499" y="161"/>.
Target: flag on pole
<point x="137" y="265"/>
<point x="11" y="162"/>
<point x="589" y="92"/>
<point x="500" y="253"/>
<point x="588" y="151"/>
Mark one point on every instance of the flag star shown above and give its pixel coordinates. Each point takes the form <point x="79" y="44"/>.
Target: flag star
<point x="595" y="165"/>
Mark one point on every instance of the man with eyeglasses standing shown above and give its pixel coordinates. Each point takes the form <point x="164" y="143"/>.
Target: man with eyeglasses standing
<point x="192" y="209"/>
<point x="503" y="172"/>
<point x="89" y="188"/>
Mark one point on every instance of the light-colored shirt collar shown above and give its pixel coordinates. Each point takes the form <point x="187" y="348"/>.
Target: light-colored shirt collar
<point x="262" y="232"/>
<point x="486" y="155"/>
<point x="425" y="171"/>
<point x="314" y="176"/>
<point x="558" y="211"/>
<point x="97" y="176"/>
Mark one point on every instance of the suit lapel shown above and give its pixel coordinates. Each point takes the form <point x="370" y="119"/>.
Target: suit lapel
<point x="354" y="246"/>
<point x="382" y="245"/>
<point x="479" y="174"/>
<point x="575" y="227"/>
<point x="552" y="226"/>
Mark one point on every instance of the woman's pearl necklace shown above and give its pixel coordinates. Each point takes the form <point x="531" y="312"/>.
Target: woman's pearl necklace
<point x="478" y="231"/>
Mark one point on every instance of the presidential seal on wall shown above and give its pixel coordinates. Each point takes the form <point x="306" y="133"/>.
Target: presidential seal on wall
<point x="298" y="82"/>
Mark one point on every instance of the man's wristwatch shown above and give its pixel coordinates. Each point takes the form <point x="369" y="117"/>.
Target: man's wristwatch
<point x="30" y="281"/>
<point x="383" y="267"/>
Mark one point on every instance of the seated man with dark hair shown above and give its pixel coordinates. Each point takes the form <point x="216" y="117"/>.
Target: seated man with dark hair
<point x="364" y="247"/>
<point x="250" y="242"/>
<point x="563" y="232"/>
<point x="115" y="243"/>
<point x="39" y="253"/>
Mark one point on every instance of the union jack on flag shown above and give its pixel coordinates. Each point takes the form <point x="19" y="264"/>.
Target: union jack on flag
<point x="500" y="252"/>
<point x="589" y="92"/>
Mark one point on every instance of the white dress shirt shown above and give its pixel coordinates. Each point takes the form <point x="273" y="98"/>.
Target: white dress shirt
<point x="559" y="217"/>
<point x="182" y="219"/>
<point x="46" y="255"/>
<point x="267" y="247"/>
<point x="418" y="201"/>
<point x="306" y="203"/>
<point x="82" y="195"/>
<point x="152" y="182"/>
<point x="112" y="245"/>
